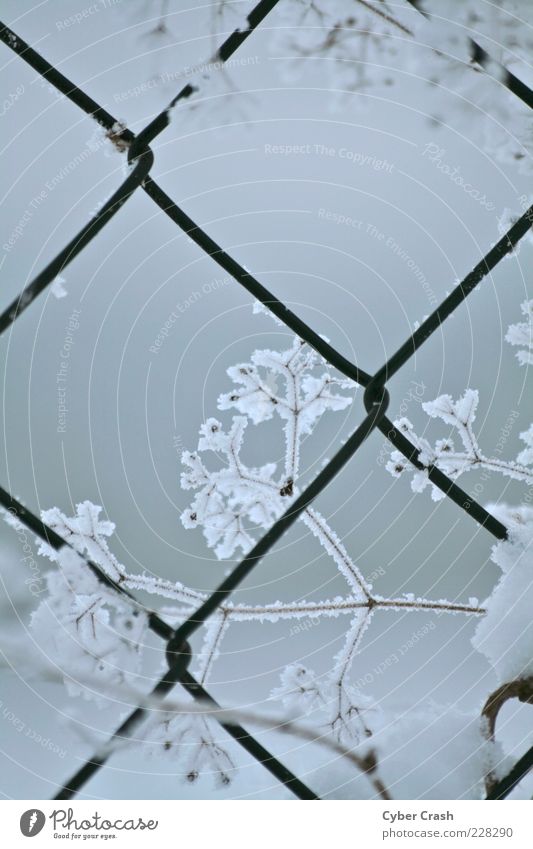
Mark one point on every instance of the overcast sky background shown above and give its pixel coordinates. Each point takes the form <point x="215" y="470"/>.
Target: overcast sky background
<point x="131" y="412"/>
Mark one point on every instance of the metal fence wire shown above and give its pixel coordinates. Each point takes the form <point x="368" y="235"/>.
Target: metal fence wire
<point x="376" y="396"/>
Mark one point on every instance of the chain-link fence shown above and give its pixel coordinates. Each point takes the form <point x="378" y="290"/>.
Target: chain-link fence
<point x="376" y="396"/>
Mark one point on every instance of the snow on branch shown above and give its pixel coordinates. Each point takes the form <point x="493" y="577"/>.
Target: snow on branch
<point x="521" y="335"/>
<point x="504" y="634"/>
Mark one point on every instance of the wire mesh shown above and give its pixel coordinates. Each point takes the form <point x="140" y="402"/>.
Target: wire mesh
<point x="376" y="395"/>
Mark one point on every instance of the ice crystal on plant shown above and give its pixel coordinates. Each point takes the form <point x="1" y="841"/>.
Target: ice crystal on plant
<point x="505" y="635"/>
<point x="296" y="385"/>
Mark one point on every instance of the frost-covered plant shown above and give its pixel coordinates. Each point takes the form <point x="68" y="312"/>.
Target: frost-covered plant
<point x="88" y="629"/>
<point x="505" y="633"/>
<point x="460" y="416"/>
<point x="462" y="95"/>
<point x="96" y="637"/>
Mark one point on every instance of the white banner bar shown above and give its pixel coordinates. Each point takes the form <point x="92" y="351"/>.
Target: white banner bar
<point x="255" y="825"/>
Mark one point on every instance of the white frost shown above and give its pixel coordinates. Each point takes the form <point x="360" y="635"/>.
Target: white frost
<point x="505" y="634"/>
